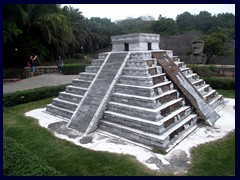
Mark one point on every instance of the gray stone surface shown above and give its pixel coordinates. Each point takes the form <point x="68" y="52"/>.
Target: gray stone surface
<point x="37" y="82"/>
<point x="197" y="56"/>
<point x="132" y="95"/>
<point x="135" y="42"/>
<point x="61" y="128"/>
<point x="86" y="110"/>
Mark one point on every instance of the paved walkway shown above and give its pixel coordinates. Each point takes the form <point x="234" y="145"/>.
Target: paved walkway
<point x="38" y="81"/>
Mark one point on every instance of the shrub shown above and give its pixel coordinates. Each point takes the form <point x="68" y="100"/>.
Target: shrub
<point x="20" y="97"/>
<point x="159" y="150"/>
<point x="19" y="161"/>
<point x="220" y="82"/>
<point x="73" y="69"/>
<point x="205" y="71"/>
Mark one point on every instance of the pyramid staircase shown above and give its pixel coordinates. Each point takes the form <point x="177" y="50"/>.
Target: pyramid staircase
<point x="68" y="101"/>
<point x="142" y="104"/>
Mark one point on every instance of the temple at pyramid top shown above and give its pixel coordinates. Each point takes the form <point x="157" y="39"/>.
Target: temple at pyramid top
<point x="135" y="42"/>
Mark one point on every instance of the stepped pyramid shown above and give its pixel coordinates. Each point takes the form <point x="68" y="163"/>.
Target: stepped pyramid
<point x="137" y="92"/>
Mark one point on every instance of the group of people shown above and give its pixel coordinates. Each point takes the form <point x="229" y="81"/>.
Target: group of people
<point x="33" y="58"/>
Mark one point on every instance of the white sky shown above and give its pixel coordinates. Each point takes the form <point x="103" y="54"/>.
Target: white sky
<point x="122" y="11"/>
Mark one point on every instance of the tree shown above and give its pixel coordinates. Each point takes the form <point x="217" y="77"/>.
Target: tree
<point x="185" y="22"/>
<point x="203" y="21"/>
<point x="79" y="32"/>
<point x="34" y="28"/>
<point x="215" y="45"/>
<point x="165" y="26"/>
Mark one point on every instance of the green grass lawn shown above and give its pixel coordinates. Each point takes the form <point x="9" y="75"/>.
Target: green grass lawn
<point x="227" y="93"/>
<point x="215" y="158"/>
<point x="65" y="158"/>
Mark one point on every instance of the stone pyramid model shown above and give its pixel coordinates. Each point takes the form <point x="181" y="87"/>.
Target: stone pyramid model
<point x="138" y="92"/>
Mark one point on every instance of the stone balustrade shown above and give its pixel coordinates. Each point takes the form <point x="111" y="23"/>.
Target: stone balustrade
<point x="41" y="70"/>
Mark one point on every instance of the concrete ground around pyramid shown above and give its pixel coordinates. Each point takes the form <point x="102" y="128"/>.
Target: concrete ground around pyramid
<point x="175" y="161"/>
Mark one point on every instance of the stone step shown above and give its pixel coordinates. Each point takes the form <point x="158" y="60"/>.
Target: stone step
<point x="97" y="62"/>
<point x="103" y="55"/>
<point x="192" y="77"/>
<point x="175" y="58"/>
<point x="143" y="80"/>
<point x="140" y="55"/>
<point x="146" y="113"/>
<point x="86" y="76"/>
<point x="198" y="83"/>
<point x="148" y="102"/>
<point x="92" y="69"/>
<point x="217" y="101"/>
<point x="205" y="89"/>
<point x="76" y="90"/>
<point x="57" y="111"/>
<point x="186" y="71"/>
<point x="146" y="137"/>
<point x="81" y="83"/>
<point x="180" y="64"/>
<point x="142" y="71"/>
<point x="64" y="104"/>
<point x="93" y="103"/>
<point x="145" y="125"/>
<point x="70" y="97"/>
<point x="144" y="91"/>
<point x="211" y="95"/>
<point x="150" y="62"/>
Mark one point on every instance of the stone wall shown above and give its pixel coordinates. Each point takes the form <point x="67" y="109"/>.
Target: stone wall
<point x="41" y="70"/>
<point x="226" y="70"/>
<point x="181" y="46"/>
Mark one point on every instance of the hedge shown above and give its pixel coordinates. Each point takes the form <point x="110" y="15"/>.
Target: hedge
<point x="20" y="97"/>
<point x="204" y="71"/>
<point x="220" y="82"/>
<point x="19" y="161"/>
<point x="73" y="69"/>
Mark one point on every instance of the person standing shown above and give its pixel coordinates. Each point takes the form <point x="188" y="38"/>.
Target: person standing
<point x="32" y="65"/>
<point x="60" y="63"/>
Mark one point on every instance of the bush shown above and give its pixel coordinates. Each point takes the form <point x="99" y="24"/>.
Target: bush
<point x="73" y="69"/>
<point x="20" y="97"/>
<point x="220" y="82"/>
<point x="19" y="161"/>
<point x="205" y="71"/>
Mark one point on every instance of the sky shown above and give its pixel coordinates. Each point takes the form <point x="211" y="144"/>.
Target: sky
<point x="122" y="11"/>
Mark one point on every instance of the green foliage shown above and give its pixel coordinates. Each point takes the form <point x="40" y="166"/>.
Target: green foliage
<point x="215" y="158"/>
<point x="220" y="82"/>
<point x="72" y="160"/>
<point x="159" y="150"/>
<point x="214" y="44"/>
<point x="185" y="22"/>
<point x="204" y="71"/>
<point x="229" y="93"/>
<point x="10" y="30"/>
<point x="49" y="30"/>
<point x="203" y="21"/>
<point x="72" y="69"/>
<point x="19" y="161"/>
<point x="165" y="26"/>
<point x="77" y="59"/>
<point x="64" y="156"/>
<point x="20" y="97"/>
